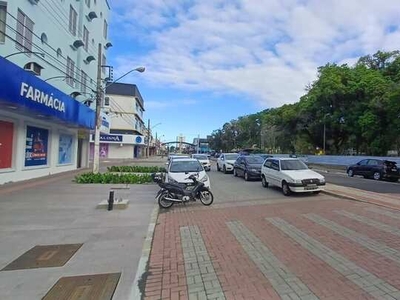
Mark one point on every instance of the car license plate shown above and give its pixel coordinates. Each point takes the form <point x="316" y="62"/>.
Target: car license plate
<point x="310" y="187"/>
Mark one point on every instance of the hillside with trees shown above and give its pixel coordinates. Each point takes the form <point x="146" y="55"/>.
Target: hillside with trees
<point x="358" y="106"/>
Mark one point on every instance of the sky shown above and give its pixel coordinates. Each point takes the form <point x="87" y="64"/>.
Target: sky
<point x="210" y="61"/>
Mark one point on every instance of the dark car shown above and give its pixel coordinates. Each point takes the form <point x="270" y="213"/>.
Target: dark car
<point x="376" y="169"/>
<point x="248" y="166"/>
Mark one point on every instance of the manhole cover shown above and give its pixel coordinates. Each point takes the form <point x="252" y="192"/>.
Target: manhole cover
<point x="87" y="287"/>
<point x="44" y="257"/>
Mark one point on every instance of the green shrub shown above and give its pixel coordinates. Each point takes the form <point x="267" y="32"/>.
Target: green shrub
<point x="136" y="169"/>
<point x="110" y="178"/>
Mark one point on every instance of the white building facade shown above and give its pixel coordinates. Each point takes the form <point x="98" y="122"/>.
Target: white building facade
<point x="48" y="58"/>
<point x="126" y="139"/>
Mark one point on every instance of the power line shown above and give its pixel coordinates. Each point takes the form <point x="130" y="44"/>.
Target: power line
<point x="123" y="113"/>
<point x="39" y="56"/>
<point x="33" y="33"/>
<point x="65" y="21"/>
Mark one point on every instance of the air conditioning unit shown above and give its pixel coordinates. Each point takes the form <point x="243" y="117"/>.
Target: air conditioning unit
<point x="34" y="2"/>
<point x="33" y="67"/>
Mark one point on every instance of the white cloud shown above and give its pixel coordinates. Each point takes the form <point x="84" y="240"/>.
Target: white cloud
<point x="169" y="103"/>
<point x="266" y="49"/>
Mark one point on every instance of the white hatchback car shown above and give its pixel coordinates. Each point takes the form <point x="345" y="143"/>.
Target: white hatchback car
<point x="203" y="159"/>
<point x="292" y="175"/>
<point x="179" y="170"/>
<point x="225" y="162"/>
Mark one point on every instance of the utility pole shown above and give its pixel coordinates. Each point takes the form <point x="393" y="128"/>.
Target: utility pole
<point x="156" y="145"/>
<point x="99" y="97"/>
<point x="148" y="138"/>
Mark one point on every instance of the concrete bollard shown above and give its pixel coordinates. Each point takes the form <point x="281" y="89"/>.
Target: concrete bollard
<point x="111" y="200"/>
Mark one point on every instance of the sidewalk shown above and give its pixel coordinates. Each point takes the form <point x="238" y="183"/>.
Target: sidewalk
<point x="319" y="247"/>
<point x="56" y="211"/>
<point x="386" y="200"/>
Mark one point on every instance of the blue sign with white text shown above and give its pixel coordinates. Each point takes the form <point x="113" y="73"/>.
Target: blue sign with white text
<point x="22" y="89"/>
<point x="111" y="138"/>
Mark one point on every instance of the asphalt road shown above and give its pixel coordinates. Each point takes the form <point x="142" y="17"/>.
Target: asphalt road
<point x="256" y="191"/>
<point x="362" y="183"/>
<point x="228" y="189"/>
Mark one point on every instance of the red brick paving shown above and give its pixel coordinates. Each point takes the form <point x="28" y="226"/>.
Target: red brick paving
<point x="239" y="276"/>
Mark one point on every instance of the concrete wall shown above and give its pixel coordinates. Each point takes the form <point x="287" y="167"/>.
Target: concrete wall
<point x="338" y="160"/>
<point x="19" y="171"/>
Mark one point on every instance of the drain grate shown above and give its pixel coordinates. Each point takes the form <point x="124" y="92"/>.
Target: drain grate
<point x="44" y="257"/>
<point x="86" y="287"/>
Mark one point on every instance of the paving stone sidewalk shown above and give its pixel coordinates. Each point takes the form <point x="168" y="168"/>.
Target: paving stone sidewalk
<point x="291" y="250"/>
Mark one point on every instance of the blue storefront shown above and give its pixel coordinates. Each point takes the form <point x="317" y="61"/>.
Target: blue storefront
<point x="42" y="130"/>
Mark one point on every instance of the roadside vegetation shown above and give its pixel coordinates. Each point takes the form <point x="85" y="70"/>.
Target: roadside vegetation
<point x="107" y="178"/>
<point x="359" y="107"/>
<point x="136" y="169"/>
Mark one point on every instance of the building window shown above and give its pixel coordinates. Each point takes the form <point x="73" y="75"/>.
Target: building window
<point x="3" y="19"/>
<point x="70" y="71"/>
<point x="105" y="29"/>
<point x="24" y="32"/>
<point x="85" y="38"/>
<point x="72" y="20"/>
<point x="87" y="3"/>
<point x="83" y="81"/>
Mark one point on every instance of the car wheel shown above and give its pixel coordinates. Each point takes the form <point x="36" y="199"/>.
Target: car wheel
<point x="246" y="176"/>
<point x="377" y="175"/>
<point x="264" y="182"/>
<point x="235" y="173"/>
<point x="350" y="172"/>
<point x="285" y="189"/>
<point x="224" y="169"/>
<point x="218" y="169"/>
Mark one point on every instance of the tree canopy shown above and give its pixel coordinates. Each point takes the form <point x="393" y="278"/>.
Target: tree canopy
<point x="358" y="106"/>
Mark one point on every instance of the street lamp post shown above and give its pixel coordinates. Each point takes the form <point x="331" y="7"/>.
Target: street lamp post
<point x="25" y="52"/>
<point x="148" y="137"/>
<point x="99" y="101"/>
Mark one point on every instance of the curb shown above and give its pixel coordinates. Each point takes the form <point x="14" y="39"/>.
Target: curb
<point x="136" y="292"/>
<point x="357" y="199"/>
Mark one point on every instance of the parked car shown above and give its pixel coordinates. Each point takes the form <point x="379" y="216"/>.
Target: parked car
<point x="292" y="175"/>
<point x="179" y="170"/>
<point x="265" y="156"/>
<point x="248" y="166"/>
<point x="204" y="160"/>
<point x="376" y="169"/>
<point x="225" y="162"/>
<point x="176" y="156"/>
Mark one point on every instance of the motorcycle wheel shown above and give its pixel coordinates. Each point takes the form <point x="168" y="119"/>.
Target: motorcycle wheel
<point x="164" y="203"/>
<point x="206" y="197"/>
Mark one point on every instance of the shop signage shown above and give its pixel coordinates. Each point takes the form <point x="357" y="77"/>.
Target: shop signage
<point x="36" y="146"/>
<point x="33" y="96"/>
<point x="111" y="138"/>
